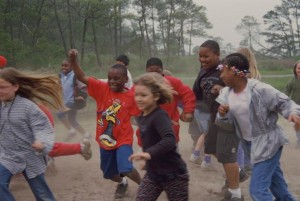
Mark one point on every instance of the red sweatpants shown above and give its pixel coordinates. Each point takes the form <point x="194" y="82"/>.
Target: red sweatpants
<point x="64" y="149"/>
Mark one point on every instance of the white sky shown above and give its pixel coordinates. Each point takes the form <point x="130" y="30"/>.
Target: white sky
<point x="225" y="15"/>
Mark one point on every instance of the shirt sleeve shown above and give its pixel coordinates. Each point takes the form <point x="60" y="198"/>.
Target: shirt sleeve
<point x="185" y="93"/>
<point x="41" y="128"/>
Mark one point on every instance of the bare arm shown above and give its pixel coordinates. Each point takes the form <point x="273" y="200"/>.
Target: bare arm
<point x="80" y="75"/>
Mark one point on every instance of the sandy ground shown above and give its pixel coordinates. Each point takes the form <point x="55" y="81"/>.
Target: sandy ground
<point x="74" y="179"/>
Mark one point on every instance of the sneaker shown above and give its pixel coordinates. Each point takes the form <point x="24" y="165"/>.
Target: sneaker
<point x="206" y="165"/>
<point x="243" y="175"/>
<point x="121" y="190"/>
<point x="86" y="150"/>
<point x="228" y="197"/>
<point x="195" y="159"/>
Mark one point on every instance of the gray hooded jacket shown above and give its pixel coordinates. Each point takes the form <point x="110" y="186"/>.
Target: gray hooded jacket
<point x="265" y="104"/>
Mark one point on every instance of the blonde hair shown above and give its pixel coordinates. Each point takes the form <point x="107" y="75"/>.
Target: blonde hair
<point x="254" y="72"/>
<point x="45" y="89"/>
<point x="158" y="85"/>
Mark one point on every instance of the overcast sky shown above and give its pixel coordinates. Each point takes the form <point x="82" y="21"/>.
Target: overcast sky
<point x="225" y="15"/>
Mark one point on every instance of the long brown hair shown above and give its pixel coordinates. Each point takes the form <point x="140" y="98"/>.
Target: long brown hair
<point x="44" y="89"/>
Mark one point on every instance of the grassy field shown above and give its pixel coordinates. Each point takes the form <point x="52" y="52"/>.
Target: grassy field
<point x="278" y="81"/>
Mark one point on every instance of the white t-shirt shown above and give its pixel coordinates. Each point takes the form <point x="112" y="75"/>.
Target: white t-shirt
<point x="239" y="107"/>
<point x="129" y="84"/>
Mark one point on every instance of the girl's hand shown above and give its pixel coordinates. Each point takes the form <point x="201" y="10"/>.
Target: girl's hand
<point x="223" y="109"/>
<point x="38" y="146"/>
<point x="140" y="158"/>
<point x="296" y="119"/>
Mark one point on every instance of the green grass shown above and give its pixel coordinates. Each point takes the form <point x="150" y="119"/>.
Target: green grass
<point x="278" y="83"/>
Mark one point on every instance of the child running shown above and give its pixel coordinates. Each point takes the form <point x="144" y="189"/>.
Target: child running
<point x="23" y="126"/>
<point x="166" y="171"/>
<point x="184" y="96"/>
<point x="251" y="108"/>
<point x="68" y="116"/>
<point x="114" y="133"/>
<point x="292" y="89"/>
<point x="219" y="142"/>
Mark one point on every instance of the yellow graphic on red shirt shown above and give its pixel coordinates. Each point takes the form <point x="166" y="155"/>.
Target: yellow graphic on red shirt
<point x="110" y="115"/>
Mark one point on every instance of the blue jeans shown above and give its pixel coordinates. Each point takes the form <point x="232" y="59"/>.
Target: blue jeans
<point x="38" y="186"/>
<point x="267" y="181"/>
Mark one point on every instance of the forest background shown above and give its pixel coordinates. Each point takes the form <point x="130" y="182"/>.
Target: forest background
<point x="37" y="34"/>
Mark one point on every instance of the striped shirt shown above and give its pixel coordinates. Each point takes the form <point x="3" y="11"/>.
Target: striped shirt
<point x="21" y="123"/>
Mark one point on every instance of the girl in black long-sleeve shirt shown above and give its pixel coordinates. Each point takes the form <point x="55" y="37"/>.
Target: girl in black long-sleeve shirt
<point x="166" y="171"/>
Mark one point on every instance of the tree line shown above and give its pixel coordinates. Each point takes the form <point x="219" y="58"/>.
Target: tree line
<point x="44" y="30"/>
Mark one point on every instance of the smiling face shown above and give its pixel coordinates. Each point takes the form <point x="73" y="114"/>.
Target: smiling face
<point x="116" y="79"/>
<point x="7" y="90"/>
<point x="65" y="67"/>
<point x="208" y="58"/>
<point x="145" y="99"/>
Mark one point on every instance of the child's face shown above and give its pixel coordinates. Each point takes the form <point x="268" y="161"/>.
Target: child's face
<point x="208" y="58"/>
<point x="154" y="68"/>
<point x="297" y="70"/>
<point x="65" y="67"/>
<point x="145" y="99"/>
<point x="228" y="76"/>
<point x="7" y="90"/>
<point x="116" y="80"/>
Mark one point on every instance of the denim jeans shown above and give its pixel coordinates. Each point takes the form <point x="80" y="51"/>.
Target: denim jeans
<point x="267" y="181"/>
<point x="38" y="186"/>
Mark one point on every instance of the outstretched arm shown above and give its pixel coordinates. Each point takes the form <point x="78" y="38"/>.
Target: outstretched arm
<point x="80" y="75"/>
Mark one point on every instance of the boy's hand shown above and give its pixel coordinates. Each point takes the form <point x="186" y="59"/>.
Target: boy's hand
<point x="186" y="117"/>
<point x="223" y="109"/>
<point x="296" y="119"/>
<point x="72" y="55"/>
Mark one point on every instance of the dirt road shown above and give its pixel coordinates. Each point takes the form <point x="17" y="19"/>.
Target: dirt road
<point x="75" y="179"/>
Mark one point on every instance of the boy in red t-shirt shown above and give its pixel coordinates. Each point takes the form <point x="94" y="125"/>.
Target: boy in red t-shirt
<point x="114" y="134"/>
<point x="184" y="96"/>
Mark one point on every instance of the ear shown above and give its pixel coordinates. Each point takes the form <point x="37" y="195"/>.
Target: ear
<point x="156" y="96"/>
<point x="16" y="87"/>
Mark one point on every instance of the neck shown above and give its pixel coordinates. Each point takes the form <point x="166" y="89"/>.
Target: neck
<point x="240" y="85"/>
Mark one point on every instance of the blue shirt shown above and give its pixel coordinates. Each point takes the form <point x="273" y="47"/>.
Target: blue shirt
<point x="67" y="82"/>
